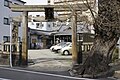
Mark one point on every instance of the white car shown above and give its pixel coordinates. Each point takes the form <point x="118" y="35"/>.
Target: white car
<point x="58" y="47"/>
<point x="66" y="50"/>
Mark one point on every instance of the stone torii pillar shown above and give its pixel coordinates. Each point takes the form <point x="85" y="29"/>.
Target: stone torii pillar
<point x="15" y="28"/>
<point x="24" y="54"/>
<point x="15" y="32"/>
<point x="74" y="38"/>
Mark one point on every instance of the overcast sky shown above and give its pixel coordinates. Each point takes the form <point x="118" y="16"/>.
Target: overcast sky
<point x="35" y="2"/>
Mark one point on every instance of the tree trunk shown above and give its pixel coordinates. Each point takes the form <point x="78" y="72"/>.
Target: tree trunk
<point x="106" y="29"/>
<point x="97" y="62"/>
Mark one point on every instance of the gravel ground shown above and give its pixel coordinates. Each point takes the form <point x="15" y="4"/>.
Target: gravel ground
<point x="45" y="60"/>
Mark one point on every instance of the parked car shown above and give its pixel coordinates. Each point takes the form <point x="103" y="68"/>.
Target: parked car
<point x="59" y="46"/>
<point x="67" y="50"/>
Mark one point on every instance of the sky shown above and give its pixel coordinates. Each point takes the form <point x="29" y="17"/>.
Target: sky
<point x="35" y="2"/>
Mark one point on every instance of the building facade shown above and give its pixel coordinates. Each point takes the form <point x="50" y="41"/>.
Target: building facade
<point x="5" y="15"/>
<point x="59" y="26"/>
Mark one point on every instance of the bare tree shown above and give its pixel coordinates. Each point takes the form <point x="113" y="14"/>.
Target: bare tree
<point x="107" y="29"/>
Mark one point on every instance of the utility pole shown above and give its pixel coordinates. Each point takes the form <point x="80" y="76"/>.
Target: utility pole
<point x="24" y="61"/>
<point x="74" y="37"/>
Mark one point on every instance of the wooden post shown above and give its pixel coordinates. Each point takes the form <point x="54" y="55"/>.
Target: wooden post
<point x="24" y="61"/>
<point x="74" y="38"/>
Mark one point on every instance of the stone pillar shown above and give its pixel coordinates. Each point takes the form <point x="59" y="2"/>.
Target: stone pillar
<point x="24" y="61"/>
<point x="15" y="56"/>
<point x="15" y="33"/>
<point x="74" y="38"/>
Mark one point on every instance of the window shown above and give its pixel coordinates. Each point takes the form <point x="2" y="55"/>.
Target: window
<point x="5" y="48"/>
<point x="37" y="25"/>
<point x="19" y="39"/>
<point x="42" y="25"/>
<point x="6" y="21"/>
<point x="6" y="38"/>
<point x="37" y="15"/>
<point x="6" y="3"/>
<point x="48" y="25"/>
<point x="53" y="24"/>
<point x="19" y="24"/>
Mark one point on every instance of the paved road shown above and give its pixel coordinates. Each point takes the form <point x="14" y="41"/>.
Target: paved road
<point x="20" y="74"/>
<point x="17" y="74"/>
<point x="54" y="66"/>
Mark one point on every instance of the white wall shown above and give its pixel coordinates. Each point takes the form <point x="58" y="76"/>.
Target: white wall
<point x="6" y="12"/>
<point x="35" y="2"/>
<point x="45" y="26"/>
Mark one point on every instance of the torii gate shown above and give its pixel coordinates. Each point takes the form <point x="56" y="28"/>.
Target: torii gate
<point x="41" y="8"/>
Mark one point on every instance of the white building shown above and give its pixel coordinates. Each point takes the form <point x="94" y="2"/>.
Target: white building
<point x="40" y="25"/>
<point x="5" y="14"/>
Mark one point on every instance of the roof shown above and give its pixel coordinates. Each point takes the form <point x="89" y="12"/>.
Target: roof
<point x="41" y="32"/>
<point x="21" y="1"/>
<point x="67" y="32"/>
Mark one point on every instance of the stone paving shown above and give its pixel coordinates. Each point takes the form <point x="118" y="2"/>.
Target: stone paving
<point x="45" y="60"/>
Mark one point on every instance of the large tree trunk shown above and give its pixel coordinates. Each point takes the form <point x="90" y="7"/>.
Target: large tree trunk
<point x="97" y="62"/>
<point x="106" y="28"/>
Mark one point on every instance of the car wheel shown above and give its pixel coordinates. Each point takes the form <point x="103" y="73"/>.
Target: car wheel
<point x="58" y="50"/>
<point x="52" y="49"/>
<point x="66" y="52"/>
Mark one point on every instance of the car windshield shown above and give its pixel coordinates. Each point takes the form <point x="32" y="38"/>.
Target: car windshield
<point x="67" y="44"/>
<point x="61" y="44"/>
